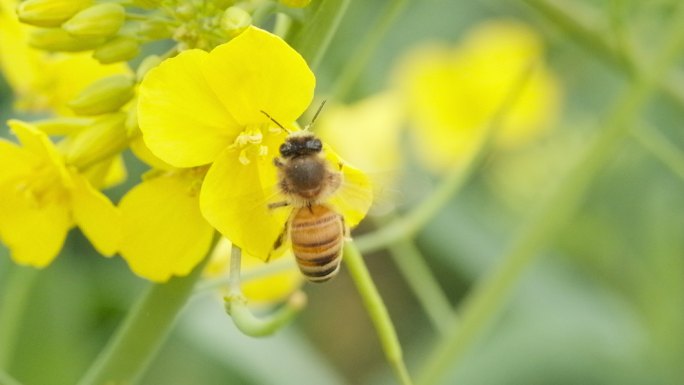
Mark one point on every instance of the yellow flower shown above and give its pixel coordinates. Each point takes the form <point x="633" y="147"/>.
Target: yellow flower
<point x="204" y="108"/>
<point x="452" y="94"/>
<point x="262" y="291"/>
<point x="41" y="81"/>
<point x="41" y="198"/>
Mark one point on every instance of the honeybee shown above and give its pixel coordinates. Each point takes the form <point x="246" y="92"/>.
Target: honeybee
<point x="316" y="230"/>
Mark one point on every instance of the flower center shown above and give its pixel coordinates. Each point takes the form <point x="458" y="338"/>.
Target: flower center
<point x="43" y="187"/>
<point x="250" y="142"/>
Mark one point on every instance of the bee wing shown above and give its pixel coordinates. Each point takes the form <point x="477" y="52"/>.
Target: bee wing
<point x="354" y="197"/>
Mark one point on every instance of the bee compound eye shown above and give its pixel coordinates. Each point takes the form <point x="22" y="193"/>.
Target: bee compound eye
<point x="315" y="145"/>
<point x="285" y="149"/>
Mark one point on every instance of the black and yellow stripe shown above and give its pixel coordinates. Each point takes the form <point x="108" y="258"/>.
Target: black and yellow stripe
<point x="317" y="238"/>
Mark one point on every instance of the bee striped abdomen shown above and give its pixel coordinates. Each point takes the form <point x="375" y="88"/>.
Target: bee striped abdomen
<point x="317" y="238"/>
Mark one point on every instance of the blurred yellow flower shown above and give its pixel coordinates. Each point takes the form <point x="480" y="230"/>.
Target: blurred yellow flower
<point x="204" y="108"/>
<point x="366" y="133"/>
<point x="452" y="93"/>
<point x="263" y="291"/>
<point x="41" y="198"/>
<point x="44" y="82"/>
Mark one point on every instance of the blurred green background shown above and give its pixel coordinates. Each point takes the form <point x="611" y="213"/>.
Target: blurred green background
<point x="605" y="304"/>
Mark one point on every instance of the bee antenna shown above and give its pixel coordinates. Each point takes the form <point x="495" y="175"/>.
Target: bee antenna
<point x="316" y="115"/>
<point x="275" y="121"/>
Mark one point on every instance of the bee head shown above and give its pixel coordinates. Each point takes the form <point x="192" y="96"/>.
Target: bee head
<point x="295" y="146"/>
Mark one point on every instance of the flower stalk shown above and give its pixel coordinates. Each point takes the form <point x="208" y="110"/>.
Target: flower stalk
<point x="377" y="311"/>
<point x="131" y="348"/>
<point x="244" y="319"/>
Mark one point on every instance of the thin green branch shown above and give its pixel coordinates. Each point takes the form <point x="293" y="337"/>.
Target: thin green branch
<point x="422" y="282"/>
<point x="236" y="305"/>
<point x="15" y="298"/>
<point x="353" y="69"/>
<point x="314" y="38"/>
<point x="490" y="293"/>
<point x="663" y="150"/>
<point x="142" y="332"/>
<point x="377" y="311"/>
<point x="6" y="379"/>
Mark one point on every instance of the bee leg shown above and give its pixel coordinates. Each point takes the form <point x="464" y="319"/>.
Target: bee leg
<point x="309" y="206"/>
<point x="278" y="163"/>
<point x="340" y="165"/>
<point x="345" y="229"/>
<point x="278" y="242"/>
<point x="276" y="205"/>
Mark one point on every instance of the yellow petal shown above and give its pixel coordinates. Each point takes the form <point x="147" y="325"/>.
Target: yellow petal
<point x="15" y="161"/>
<point x="257" y="71"/>
<point x="235" y="198"/>
<point x="164" y="233"/>
<point x="33" y="232"/>
<point x="96" y="216"/>
<point x="143" y="153"/>
<point x="182" y="121"/>
<point x="36" y="142"/>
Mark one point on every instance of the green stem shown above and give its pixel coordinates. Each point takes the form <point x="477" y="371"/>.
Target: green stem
<point x="313" y="40"/>
<point x="15" y="297"/>
<point x="656" y="143"/>
<point x="353" y="69"/>
<point x="244" y="319"/>
<point x="490" y="293"/>
<point x="377" y="311"/>
<point x="6" y="379"/>
<point x="422" y="282"/>
<point x="142" y="332"/>
<point x="249" y="324"/>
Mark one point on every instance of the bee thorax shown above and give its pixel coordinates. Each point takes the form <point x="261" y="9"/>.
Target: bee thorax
<point x="305" y="174"/>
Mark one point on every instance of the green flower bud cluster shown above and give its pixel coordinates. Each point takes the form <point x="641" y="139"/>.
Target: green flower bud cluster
<point x="80" y="25"/>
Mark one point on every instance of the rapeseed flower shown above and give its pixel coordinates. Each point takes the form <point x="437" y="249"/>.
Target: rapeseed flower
<point x="453" y="93"/>
<point x="206" y="109"/>
<point x="42" y="197"/>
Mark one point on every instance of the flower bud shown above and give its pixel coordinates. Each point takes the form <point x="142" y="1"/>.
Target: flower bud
<point x="235" y="20"/>
<point x="120" y="48"/>
<point x="154" y="29"/>
<point x="295" y="3"/>
<point x="49" y="13"/>
<point x="147" y="4"/>
<point x="102" y="20"/>
<point x="59" y="40"/>
<point x="105" y="95"/>
<point x="62" y="125"/>
<point x="104" y="138"/>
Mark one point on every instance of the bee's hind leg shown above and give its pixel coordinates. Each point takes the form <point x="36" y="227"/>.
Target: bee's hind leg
<point x="279" y="242"/>
<point x="276" y="205"/>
